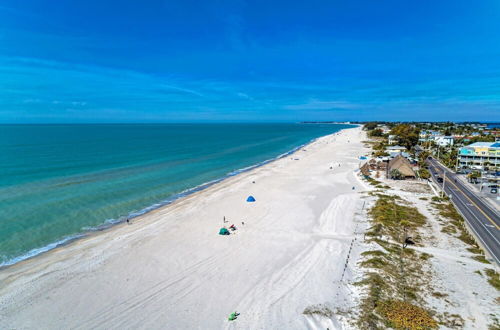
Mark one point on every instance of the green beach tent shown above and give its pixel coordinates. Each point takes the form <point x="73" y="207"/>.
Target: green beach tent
<point x="224" y="231"/>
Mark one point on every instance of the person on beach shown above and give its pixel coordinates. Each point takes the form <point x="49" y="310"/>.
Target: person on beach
<point x="128" y="221"/>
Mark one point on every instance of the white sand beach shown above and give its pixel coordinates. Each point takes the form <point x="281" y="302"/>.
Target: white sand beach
<point x="170" y="269"/>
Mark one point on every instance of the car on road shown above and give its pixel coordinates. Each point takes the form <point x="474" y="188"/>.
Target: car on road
<point x="494" y="190"/>
<point x="440" y="179"/>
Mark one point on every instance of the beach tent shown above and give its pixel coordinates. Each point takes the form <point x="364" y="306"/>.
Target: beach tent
<point x="250" y="199"/>
<point x="223" y="231"/>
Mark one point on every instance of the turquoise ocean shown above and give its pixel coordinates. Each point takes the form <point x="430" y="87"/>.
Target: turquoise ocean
<point x="60" y="182"/>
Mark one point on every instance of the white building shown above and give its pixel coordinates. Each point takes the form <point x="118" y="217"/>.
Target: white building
<point x="392" y="139"/>
<point x="395" y="149"/>
<point x="444" y="141"/>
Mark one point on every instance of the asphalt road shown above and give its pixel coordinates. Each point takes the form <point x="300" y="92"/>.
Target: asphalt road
<point x="482" y="219"/>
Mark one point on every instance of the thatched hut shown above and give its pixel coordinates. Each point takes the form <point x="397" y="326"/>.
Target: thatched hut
<point x="400" y="168"/>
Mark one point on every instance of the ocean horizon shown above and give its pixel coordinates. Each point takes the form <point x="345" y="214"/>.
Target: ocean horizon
<point x="62" y="181"/>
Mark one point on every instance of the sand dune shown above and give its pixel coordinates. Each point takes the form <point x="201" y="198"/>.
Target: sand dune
<point x="170" y="269"/>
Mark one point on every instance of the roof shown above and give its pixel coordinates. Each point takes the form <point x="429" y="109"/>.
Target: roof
<point x="395" y="147"/>
<point x="485" y="144"/>
<point x="402" y="165"/>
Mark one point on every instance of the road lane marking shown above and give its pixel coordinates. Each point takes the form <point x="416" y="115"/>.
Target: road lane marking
<point x="480" y="210"/>
<point x="479" y="221"/>
<point x="464" y="194"/>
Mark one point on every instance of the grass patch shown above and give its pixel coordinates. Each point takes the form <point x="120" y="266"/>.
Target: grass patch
<point x="449" y="229"/>
<point x="393" y="219"/>
<point x="319" y="309"/>
<point x="475" y="250"/>
<point x="375" y="262"/>
<point x="425" y="256"/>
<point x="455" y="224"/>
<point x="396" y="275"/>
<point x="481" y="258"/>
<point x="439" y="294"/>
<point x="424" y="198"/>
<point x="375" y="253"/>
<point x="373" y="182"/>
<point x="493" y="278"/>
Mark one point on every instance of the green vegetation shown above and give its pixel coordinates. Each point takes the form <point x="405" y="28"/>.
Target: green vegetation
<point x="396" y="175"/>
<point x="370" y="126"/>
<point x="481" y="258"/>
<point x="406" y="135"/>
<point x="396" y="274"/>
<point x="493" y="278"/>
<point x="424" y="173"/>
<point x="403" y="315"/>
<point x="376" y="133"/>
<point x="373" y="182"/>
<point x="393" y="219"/>
<point x="319" y="309"/>
<point x="456" y="227"/>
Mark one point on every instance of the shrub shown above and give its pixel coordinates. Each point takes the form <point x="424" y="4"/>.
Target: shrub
<point x="403" y="315"/>
<point x="423" y="173"/>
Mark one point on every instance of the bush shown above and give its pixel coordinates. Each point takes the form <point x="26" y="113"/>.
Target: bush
<point x="423" y="173"/>
<point x="403" y="315"/>
<point x="376" y="132"/>
<point x="396" y="175"/>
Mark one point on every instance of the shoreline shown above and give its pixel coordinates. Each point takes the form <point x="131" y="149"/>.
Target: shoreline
<point x="110" y="223"/>
<point x="300" y="227"/>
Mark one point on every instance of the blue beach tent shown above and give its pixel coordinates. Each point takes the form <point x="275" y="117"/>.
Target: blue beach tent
<point x="250" y="199"/>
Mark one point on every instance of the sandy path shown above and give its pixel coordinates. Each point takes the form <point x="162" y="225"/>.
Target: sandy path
<point x="171" y="269"/>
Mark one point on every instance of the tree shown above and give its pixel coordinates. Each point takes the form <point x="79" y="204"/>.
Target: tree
<point x="396" y="175"/>
<point x="423" y="173"/>
<point x="406" y="135"/>
<point x="375" y="132"/>
<point x="369" y="126"/>
<point x="483" y="138"/>
<point x="422" y="157"/>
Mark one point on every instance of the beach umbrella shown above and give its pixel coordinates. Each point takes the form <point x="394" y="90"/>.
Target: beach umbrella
<point x="250" y="199"/>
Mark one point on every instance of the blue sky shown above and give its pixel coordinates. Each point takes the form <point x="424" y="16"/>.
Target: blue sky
<point x="184" y="61"/>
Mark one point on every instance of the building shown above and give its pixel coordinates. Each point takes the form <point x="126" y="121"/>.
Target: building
<point x="395" y="149"/>
<point x="428" y="135"/>
<point x="392" y="139"/>
<point x="402" y="167"/>
<point x="443" y="141"/>
<point x="480" y="155"/>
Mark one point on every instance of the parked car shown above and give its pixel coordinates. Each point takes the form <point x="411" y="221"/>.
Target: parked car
<point x="494" y="190"/>
<point x="440" y="179"/>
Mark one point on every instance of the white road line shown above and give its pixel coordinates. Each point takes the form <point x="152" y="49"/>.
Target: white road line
<point x="479" y="221"/>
